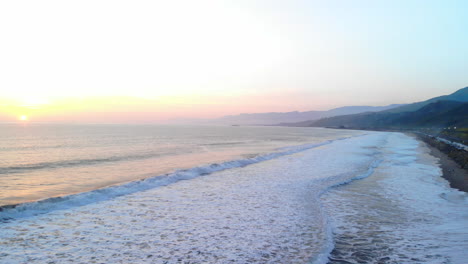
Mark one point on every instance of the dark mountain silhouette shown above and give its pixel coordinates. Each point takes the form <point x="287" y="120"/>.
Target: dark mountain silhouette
<point x="434" y="115"/>
<point x="459" y="96"/>
<point x="443" y="111"/>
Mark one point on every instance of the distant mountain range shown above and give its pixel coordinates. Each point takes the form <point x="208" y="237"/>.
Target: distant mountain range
<point x="443" y="111"/>
<point x="286" y="117"/>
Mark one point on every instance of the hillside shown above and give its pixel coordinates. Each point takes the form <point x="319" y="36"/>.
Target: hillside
<point x="438" y="114"/>
<point x="459" y="96"/>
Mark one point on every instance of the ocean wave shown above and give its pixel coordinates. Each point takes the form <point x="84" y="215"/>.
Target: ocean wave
<point x="386" y="220"/>
<point x="224" y="143"/>
<point x="76" y="163"/>
<point x="32" y="147"/>
<point x="11" y="212"/>
<point x="325" y="256"/>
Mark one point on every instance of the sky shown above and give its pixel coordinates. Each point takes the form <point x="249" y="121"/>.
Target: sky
<point x="152" y="61"/>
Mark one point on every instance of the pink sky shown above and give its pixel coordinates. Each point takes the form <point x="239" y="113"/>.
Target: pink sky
<point x="156" y="60"/>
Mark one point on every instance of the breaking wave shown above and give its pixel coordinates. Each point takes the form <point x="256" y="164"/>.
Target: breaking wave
<point x="10" y="212"/>
<point x="76" y="163"/>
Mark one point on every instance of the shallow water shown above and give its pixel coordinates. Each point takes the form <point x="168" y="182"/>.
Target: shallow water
<point x="41" y="161"/>
<point x="377" y="198"/>
<point x="267" y="212"/>
<point x="401" y="214"/>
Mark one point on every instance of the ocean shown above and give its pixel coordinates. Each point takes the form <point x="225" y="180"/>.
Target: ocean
<point x="202" y="194"/>
<point x="43" y="161"/>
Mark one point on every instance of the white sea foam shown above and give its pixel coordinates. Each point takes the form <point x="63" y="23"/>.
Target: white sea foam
<point x="40" y="161"/>
<point x="404" y="213"/>
<point x="65" y="202"/>
<point x="268" y="212"/>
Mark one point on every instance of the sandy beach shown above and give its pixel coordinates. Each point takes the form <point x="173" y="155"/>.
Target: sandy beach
<point x="452" y="171"/>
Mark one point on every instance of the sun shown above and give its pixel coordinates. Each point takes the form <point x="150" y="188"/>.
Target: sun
<point x="24" y="118"/>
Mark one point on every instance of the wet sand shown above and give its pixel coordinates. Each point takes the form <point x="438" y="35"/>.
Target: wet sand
<point x="452" y="171"/>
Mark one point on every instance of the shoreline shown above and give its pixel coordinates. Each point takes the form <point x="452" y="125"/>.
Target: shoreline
<point x="452" y="161"/>
<point x="452" y="171"/>
<point x="406" y="195"/>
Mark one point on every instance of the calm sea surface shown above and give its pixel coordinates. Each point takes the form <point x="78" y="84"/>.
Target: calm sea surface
<point x="39" y="161"/>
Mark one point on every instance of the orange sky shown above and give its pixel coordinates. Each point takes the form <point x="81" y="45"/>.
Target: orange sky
<point x="149" y="61"/>
<point x="125" y="109"/>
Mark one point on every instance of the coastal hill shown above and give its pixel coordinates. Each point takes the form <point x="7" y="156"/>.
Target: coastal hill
<point x="274" y="118"/>
<point x="283" y="117"/>
<point x="458" y="96"/>
<point x="438" y="112"/>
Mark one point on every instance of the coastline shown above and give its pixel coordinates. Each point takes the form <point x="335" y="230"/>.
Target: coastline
<point x="452" y="171"/>
<point x="401" y="212"/>
<point x="245" y="213"/>
<point x="452" y="161"/>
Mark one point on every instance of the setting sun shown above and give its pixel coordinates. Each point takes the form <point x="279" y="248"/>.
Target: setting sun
<point x="24" y="118"/>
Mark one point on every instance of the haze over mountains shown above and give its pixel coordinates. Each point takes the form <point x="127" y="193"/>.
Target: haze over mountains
<point x="275" y="118"/>
<point x="439" y="112"/>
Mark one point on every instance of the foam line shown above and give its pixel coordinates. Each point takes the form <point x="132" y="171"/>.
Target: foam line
<point x="10" y="212"/>
<point x="324" y="256"/>
<point x="73" y="163"/>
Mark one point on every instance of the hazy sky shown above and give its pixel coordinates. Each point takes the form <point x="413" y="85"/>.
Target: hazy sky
<point x="156" y="60"/>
